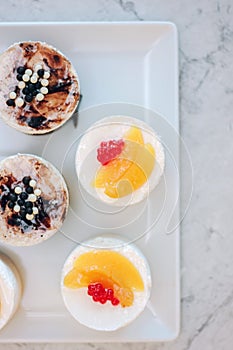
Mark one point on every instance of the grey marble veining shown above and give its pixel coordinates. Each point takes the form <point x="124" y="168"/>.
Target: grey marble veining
<point x="206" y="112"/>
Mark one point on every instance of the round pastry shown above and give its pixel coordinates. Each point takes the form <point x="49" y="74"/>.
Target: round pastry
<point x="105" y="283"/>
<point x="10" y="290"/>
<point x="33" y="200"/>
<point x="120" y="160"/>
<point x="39" y="88"/>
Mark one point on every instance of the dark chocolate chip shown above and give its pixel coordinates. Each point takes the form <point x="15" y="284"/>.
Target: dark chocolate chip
<point x="11" y="205"/>
<point x="17" y="222"/>
<point x="28" y="98"/>
<point x="21" y="202"/>
<point x="29" y="210"/>
<point x="38" y="85"/>
<point x="10" y="103"/>
<point x="21" y="70"/>
<point x="19" y="77"/>
<point x="13" y="197"/>
<point x="11" y="221"/>
<point x="24" y="195"/>
<point x="36" y="122"/>
<point x="40" y="72"/>
<point x="29" y="189"/>
<point x="28" y="204"/>
<point x="31" y="86"/>
<point x="23" y="212"/>
<point x="26" y="180"/>
<point x="26" y="91"/>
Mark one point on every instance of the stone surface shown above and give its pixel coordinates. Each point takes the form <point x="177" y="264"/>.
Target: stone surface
<point x="206" y="102"/>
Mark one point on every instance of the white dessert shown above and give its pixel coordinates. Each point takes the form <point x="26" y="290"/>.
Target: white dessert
<point x="110" y="128"/>
<point x="106" y="317"/>
<point x="10" y="290"/>
<point x="48" y="200"/>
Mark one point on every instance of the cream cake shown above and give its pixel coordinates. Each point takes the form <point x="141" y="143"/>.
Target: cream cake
<point x="120" y="160"/>
<point x="105" y="283"/>
<point x="10" y="290"/>
<point x="39" y="88"/>
<point x="33" y="200"/>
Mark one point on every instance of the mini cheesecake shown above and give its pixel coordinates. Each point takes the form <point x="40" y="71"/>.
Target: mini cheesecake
<point x="39" y="88"/>
<point x="10" y="290"/>
<point x="105" y="283"/>
<point x="120" y="160"/>
<point x="33" y="200"/>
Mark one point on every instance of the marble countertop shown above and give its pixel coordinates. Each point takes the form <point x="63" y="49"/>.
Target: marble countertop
<point x="206" y="99"/>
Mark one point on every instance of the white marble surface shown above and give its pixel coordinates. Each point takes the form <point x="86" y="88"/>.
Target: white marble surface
<point x="206" y="96"/>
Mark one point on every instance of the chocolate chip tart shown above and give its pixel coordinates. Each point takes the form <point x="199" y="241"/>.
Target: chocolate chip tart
<point x="33" y="200"/>
<point x="39" y="88"/>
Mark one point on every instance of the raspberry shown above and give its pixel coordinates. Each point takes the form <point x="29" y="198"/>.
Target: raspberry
<point x="109" y="150"/>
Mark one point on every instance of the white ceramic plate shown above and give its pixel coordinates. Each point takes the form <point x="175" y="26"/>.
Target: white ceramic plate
<point x="133" y="63"/>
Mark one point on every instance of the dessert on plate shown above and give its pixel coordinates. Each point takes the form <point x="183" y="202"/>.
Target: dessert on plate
<point x="105" y="283"/>
<point x="39" y="88"/>
<point x="10" y="290"/>
<point x="120" y="160"/>
<point x="33" y="200"/>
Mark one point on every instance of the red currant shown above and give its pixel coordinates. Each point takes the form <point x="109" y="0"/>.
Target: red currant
<point x="110" y="294"/>
<point x="115" y="301"/>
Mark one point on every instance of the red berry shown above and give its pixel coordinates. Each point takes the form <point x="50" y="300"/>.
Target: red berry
<point x="91" y="289"/>
<point x="95" y="298"/>
<point x="90" y="292"/>
<point x="102" y="300"/>
<point x="109" y="150"/>
<point x="110" y="294"/>
<point x="99" y="288"/>
<point x="115" y="301"/>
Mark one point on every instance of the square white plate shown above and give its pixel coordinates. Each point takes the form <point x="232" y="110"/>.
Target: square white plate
<point x="117" y="62"/>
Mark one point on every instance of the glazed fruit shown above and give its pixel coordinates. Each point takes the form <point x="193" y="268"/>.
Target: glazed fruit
<point x="130" y="169"/>
<point x="108" y="268"/>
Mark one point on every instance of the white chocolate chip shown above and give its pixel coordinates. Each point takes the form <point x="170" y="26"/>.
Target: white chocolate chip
<point x="37" y="192"/>
<point x="32" y="198"/>
<point x="19" y="102"/>
<point x="21" y="85"/>
<point x="17" y="208"/>
<point x="18" y="190"/>
<point x="12" y="95"/>
<point x="35" y="210"/>
<point x="29" y="217"/>
<point x="28" y="72"/>
<point x="44" y="82"/>
<point x="39" y="97"/>
<point x="37" y="67"/>
<point x="26" y="77"/>
<point x="34" y="79"/>
<point x="44" y="90"/>
<point x="32" y="183"/>
<point x="46" y="75"/>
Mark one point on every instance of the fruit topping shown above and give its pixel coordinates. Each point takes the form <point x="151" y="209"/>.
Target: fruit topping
<point x="101" y="294"/>
<point x="109" y="150"/>
<point x="112" y="274"/>
<point x="127" y="173"/>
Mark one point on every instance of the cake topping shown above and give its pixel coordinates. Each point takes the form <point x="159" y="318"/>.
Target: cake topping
<point x="108" y="270"/>
<point x="24" y="203"/>
<point x="32" y="83"/>
<point x="101" y="294"/>
<point x="109" y="150"/>
<point x="12" y="95"/>
<point x="127" y="166"/>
